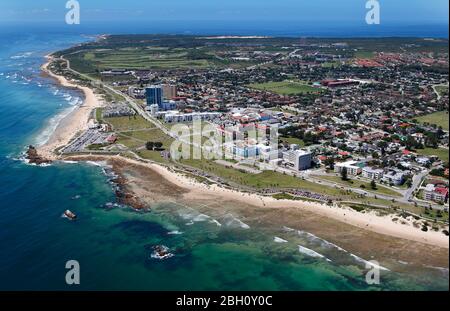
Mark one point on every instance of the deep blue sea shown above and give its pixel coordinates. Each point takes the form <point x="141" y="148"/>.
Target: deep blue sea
<point x="113" y="246"/>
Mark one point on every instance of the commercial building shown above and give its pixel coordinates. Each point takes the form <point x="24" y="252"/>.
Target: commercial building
<point x="300" y="159"/>
<point x="154" y="95"/>
<point x="175" y="116"/>
<point x="353" y="167"/>
<point x="169" y="91"/>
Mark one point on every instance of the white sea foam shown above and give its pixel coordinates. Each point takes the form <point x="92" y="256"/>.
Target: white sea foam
<point x="97" y="163"/>
<point x="279" y="240"/>
<point x="69" y="162"/>
<point x="44" y="136"/>
<point x="52" y="124"/>
<point x="22" y="55"/>
<point x="369" y="263"/>
<point x="310" y="252"/>
<point x="287" y="229"/>
<point x="323" y="242"/>
<point x="231" y="221"/>
<point x="200" y="218"/>
<point x="442" y="269"/>
<point x="216" y="222"/>
<point x="174" y="232"/>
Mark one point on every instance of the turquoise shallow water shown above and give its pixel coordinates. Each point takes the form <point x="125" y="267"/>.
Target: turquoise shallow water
<point x="114" y="246"/>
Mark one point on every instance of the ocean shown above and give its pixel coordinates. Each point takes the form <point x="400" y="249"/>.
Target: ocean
<point x="113" y="243"/>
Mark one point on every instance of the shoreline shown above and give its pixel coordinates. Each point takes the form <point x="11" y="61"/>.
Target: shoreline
<point x="366" y="221"/>
<point x="75" y="121"/>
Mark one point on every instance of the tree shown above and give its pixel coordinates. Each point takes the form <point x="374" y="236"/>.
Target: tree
<point x="329" y="162"/>
<point x="409" y="183"/>
<point x="150" y="145"/>
<point x="373" y="185"/>
<point x="344" y="174"/>
<point x="158" y="145"/>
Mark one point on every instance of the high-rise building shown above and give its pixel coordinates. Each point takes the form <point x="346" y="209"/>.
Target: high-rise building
<point x="154" y="95"/>
<point x="169" y="91"/>
<point x="301" y="160"/>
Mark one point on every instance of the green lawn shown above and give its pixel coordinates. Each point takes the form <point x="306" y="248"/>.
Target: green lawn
<point x="293" y="140"/>
<point x="439" y="118"/>
<point x="138" y="138"/>
<point x="355" y="183"/>
<point x="441" y="89"/>
<point x="285" y="87"/>
<point x="364" y="54"/>
<point x="440" y="152"/>
<point x="152" y="155"/>
<point x="98" y="114"/>
<point x="140" y="58"/>
<point x="331" y="64"/>
<point x="266" y="179"/>
<point x="129" y="123"/>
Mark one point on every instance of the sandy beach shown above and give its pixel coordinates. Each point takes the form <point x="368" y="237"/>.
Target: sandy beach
<point x="195" y="191"/>
<point x="367" y="221"/>
<point x="75" y="122"/>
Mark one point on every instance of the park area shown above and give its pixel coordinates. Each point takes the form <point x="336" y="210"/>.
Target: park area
<point x="439" y="118"/>
<point x="285" y="87"/>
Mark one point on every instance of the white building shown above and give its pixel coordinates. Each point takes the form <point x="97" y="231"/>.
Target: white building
<point x="175" y="116"/>
<point x="352" y="167"/>
<point x="153" y="109"/>
<point x="372" y="173"/>
<point x="300" y="159"/>
<point x="437" y="194"/>
<point x="394" y="177"/>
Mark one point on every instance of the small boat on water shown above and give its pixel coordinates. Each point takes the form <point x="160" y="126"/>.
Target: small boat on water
<point x="161" y="252"/>
<point x="68" y="214"/>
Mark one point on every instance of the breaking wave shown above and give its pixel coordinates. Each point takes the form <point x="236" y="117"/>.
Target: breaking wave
<point x="366" y="262"/>
<point x="279" y="240"/>
<point x="311" y="253"/>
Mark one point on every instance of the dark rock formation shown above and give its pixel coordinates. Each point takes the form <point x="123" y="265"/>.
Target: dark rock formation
<point x="34" y="158"/>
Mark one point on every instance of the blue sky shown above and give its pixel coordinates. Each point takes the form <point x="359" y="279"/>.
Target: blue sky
<point x="407" y="12"/>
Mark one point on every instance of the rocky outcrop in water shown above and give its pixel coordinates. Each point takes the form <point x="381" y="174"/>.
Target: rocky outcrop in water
<point x="34" y="158"/>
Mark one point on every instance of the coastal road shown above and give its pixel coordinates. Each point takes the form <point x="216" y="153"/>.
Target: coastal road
<point x="136" y="106"/>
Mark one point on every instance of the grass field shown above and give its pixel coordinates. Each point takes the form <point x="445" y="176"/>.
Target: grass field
<point x="98" y="114"/>
<point x="364" y="54"/>
<point x="440" y="152"/>
<point x="136" y="139"/>
<point x="293" y="140"/>
<point x="152" y="155"/>
<point x="92" y="61"/>
<point x="355" y="183"/>
<point x="439" y="118"/>
<point x="129" y="123"/>
<point x="441" y="89"/>
<point x="331" y="64"/>
<point x="266" y="179"/>
<point x="285" y="87"/>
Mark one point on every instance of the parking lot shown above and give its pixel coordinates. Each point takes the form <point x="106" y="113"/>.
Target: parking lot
<point x="90" y="137"/>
